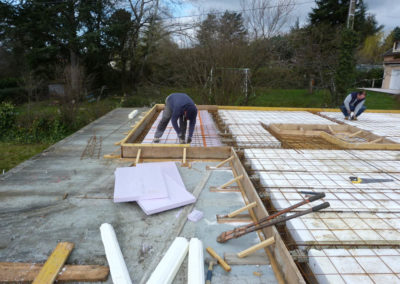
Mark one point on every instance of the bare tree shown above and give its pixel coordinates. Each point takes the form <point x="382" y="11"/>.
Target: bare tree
<point x="266" y="18"/>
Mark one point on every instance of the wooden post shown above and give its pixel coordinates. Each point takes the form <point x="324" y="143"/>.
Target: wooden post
<point x="247" y="207"/>
<point x="252" y="249"/>
<point x="138" y="156"/>
<point x="230" y="182"/>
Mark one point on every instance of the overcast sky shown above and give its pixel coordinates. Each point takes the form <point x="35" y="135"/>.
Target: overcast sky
<point x="387" y="12"/>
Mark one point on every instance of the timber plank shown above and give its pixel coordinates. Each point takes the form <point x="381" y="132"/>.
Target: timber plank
<point x="54" y="263"/>
<point x="257" y="258"/>
<point x="11" y="272"/>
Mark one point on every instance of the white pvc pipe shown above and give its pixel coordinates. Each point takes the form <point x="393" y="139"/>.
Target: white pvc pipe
<point x="196" y="262"/>
<point x="169" y="265"/>
<point x="132" y="114"/>
<point x="119" y="271"/>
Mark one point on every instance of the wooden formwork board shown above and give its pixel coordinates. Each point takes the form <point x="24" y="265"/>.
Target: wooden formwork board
<point x="167" y="151"/>
<point x="278" y="250"/>
<point x="331" y="134"/>
<point x="152" y="151"/>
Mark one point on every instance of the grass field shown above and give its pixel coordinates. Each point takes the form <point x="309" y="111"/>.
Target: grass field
<point x="12" y="154"/>
<point x="320" y="98"/>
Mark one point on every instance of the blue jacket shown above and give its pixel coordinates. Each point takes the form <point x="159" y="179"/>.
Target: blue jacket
<point x="181" y="103"/>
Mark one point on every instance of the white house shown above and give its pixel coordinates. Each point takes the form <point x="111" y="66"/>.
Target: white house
<point x="391" y="64"/>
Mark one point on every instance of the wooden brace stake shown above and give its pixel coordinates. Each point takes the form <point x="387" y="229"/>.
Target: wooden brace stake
<point x="184" y="157"/>
<point x="252" y="249"/>
<point x="355" y="133"/>
<point x="54" y="263"/>
<point x="230" y="182"/>
<point x="225" y="161"/>
<point x="138" y="156"/>
<point x="376" y="140"/>
<point x="247" y="207"/>
<point x="331" y="130"/>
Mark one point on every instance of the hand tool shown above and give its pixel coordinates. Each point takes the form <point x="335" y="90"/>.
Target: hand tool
<point x="369" y="180"/>
<point x="219" y="259"/>
<point x="210" y="263"/>
<point x="267" y="221"/>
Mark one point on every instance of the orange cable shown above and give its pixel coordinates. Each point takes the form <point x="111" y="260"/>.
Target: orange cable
<point x="202" y="130"/>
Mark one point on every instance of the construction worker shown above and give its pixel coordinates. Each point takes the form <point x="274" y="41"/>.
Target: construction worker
<point x="178" y="106"/>
<point x="353" y="105"/>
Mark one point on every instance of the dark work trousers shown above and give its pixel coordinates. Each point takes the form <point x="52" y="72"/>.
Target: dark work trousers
<point x="166" y="117"/>
<point x="346" y="114"/>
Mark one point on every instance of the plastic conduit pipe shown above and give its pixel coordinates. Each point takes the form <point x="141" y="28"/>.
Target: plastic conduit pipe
<point x="169" y="265"/>
<point x="196" y="262"/>
<point x="119" y="271"/>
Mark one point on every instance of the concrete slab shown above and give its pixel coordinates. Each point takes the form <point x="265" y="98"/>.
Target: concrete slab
<point x="57" y="196"/>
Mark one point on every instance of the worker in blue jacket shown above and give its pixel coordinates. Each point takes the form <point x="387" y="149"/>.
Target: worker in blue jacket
<point x="353" y="105"/>
<point x="178" y="106"/>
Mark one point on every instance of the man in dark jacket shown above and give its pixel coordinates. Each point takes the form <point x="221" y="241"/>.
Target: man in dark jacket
<point x="178" y="106"/>
<point x="353" y="105"/>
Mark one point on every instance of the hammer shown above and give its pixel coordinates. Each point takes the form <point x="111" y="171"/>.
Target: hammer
<point x="222" y="262"/>
<point x="210" y="263"/>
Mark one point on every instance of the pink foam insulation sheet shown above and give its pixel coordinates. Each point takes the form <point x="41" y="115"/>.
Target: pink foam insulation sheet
<point x="156" y="187"/>
<point x="205" y="133"/>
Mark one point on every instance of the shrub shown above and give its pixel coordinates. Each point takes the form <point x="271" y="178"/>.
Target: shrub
<point x="7" y="118"/>
<point x="17" y="95"/>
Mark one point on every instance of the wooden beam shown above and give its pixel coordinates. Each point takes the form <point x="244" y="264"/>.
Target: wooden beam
<point x="14" y="272"/>
<point x="226" y="189"/>
<point x="54" y="263"/>
<point x="277" y="253"/>
<point x="208" y="168"/>
<point x="155" y="151"/>
<point x="314" y="110"/>
<point x="140" y="126"/>
<point x="242" y="218"/>
<point x="258" y="258"/>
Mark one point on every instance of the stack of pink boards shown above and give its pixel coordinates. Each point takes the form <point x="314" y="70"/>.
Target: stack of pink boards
<point x="156" y="187"/>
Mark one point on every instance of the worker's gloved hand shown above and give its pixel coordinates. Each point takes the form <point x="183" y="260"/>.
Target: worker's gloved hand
<point x="181" y="140"/>
<point x="189" y="140"/>
<point x="352" y="116"/>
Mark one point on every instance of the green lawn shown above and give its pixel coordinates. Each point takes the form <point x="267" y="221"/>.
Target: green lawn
<point x="320" y="98"/>
<point x="12" y="154"/>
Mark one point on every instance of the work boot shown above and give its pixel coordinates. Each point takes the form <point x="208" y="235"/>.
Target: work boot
<point x="355" y="118"/>
<point x="156" y="140"/>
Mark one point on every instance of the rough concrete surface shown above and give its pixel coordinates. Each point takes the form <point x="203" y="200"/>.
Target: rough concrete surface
<point x="60" y="196"/>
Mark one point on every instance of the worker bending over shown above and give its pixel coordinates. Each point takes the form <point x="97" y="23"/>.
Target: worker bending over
<point x="178" y="106"/>
<point x="353" y="105"/>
